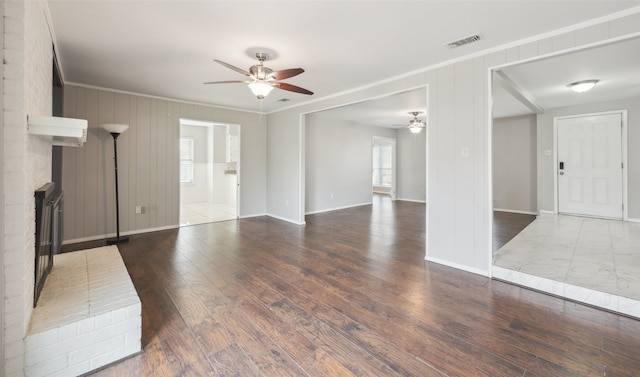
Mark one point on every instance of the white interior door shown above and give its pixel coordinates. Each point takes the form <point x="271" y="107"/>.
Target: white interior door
<point x="590" y="165"/>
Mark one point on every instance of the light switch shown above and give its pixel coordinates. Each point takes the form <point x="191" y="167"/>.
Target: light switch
<point x="547" y="152"/>
<point x="464" y="152"/>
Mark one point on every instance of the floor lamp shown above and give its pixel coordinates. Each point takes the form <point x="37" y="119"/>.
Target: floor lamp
<point x="115" y="130"/>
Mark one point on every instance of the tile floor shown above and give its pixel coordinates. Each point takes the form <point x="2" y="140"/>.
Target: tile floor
<point x="205" y="212"/>
<point x="596" y="254"/>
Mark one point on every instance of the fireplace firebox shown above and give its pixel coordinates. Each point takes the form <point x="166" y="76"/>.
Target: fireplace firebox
<point x="49" y="206"/>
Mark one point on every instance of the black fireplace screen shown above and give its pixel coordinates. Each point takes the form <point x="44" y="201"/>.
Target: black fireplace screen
<point x="49" y="203"/>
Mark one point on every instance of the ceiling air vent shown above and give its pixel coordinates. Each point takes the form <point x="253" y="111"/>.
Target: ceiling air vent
<point x="463" y="41"/>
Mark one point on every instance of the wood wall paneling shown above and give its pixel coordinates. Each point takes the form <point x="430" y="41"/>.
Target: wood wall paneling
<point x="147" y="159"/>
<point x="92" y="164"/>
<point x="105" y="184"/>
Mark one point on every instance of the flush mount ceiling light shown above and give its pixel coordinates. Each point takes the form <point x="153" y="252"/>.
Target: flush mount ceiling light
<point x="582" y="86"/>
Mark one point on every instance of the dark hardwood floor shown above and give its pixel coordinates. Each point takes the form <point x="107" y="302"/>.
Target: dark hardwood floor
<point x="507" y="225"/>
<point x="350" y="294"/>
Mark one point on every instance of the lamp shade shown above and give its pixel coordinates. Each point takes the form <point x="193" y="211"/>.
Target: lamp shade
<point x="115" y="128"/>
<point x="260" y="89"/>
<point x="415" y="129"/>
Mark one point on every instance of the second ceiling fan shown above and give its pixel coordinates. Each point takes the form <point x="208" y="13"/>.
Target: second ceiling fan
<point x="415" y="124"/>
<point x="264" y="79"/>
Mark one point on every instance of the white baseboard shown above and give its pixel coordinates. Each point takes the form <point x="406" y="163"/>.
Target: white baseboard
<point x="253" y="215"/>
<point x="633" y="220"/>
<point x="457" y="266"/>
<point x="547" y="212"/>
<point x="338" y="208"/>
<point x="412" y="200"/>
<point x="127" y="233"/>
<point x="285" y="219"/>
<point x="514" y="211"/>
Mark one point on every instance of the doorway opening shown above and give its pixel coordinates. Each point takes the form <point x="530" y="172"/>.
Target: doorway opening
<point x="582" y="241"/>
<point x="209" y="170"/>
<point x="383" y="166"/>
<point x="336" y="154"/>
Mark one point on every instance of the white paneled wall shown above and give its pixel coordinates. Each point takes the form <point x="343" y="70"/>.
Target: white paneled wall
<point x="147" y="162"/>
<point x="514" y="164"/>
<point x="412" y="166"/>
<point x="338" y="162"/>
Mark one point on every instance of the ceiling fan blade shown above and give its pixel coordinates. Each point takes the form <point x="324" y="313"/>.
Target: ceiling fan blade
<point x="239" y="70"/>
<point x="228" y="82"/>
<point x="286" y="73"/>
<point x="292" y="88"/>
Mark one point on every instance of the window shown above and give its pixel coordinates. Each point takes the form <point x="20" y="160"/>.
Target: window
<point x="186" y="160"/>
<point x="382" y="165"/>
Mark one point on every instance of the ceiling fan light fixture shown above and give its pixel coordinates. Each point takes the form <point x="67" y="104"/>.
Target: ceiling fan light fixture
<point x="260" y="89"/>
<point x="582" y="86"/>
<point x="415" y="129"/>
<point x="415" y="124"/>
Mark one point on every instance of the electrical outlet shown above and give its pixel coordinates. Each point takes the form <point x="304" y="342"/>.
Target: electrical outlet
<point x="143" y="210"/>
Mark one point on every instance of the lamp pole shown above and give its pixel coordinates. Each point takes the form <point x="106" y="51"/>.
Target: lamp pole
<point x="115" y="130"/>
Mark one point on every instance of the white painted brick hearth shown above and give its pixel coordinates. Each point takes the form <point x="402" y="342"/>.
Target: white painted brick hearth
<point x="88" y="315"/>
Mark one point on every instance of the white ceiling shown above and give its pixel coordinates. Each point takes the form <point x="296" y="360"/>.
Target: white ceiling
<point x="615" y="65"/>
<point x="166" y="48"/>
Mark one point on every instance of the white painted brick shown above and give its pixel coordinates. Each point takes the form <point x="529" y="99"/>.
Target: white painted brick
<point x="13" y="117"/>
<point x="134" y="310"/>
<point x="106" y="347"/>
<point x="13" y="25"/>
<point x="119" y="315"/>
<point x="13" y="71"/>
<point x="68" y="331"/>
<point x="103" y="320"/>
<point x="12" y="260"/>
<point x="12" y="242"/>
<point x="13" y="332"/>
<point x="14" y="348"/>
<point x="13" y="102"/>
<point x="14" y="366"/>
<point x="132" y="339"/>
<point x="43" y="354"/>
<point x="14" y="134"/>
<point x="73" y="370"/>
<point x="47" y="367"/>
<point x="102" y="339"/>
<point x="42" y="339"/>
<point x="13" y="315"/>
<point x="117" y="329"/>
<point x="108" y="358"/>
<point x="86" y="326"/>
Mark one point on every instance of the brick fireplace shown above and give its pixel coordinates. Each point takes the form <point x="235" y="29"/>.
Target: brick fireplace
<point x="88" y="315"/>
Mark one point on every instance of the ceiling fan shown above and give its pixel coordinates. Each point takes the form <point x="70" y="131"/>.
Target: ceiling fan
<point x="415" y="124"/>
<point x="264" y="79"/>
